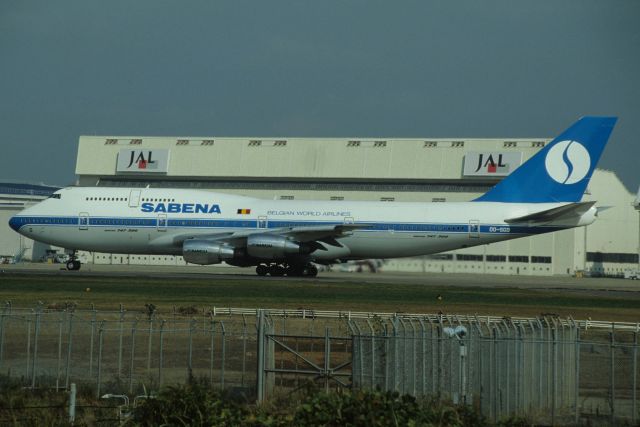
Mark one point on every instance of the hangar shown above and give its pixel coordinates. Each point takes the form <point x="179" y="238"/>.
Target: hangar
<point x="383" y="169"/>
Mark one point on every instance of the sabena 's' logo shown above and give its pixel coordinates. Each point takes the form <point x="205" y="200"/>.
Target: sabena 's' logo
<point x="568" y="162"/>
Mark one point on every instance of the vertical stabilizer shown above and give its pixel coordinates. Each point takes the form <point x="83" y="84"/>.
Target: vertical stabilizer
<point x="560" y="171"/>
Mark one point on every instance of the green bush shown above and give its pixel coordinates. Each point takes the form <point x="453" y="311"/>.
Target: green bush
<point x="23" y="407"/>
<point x="197" y="405"/>
<point x="366" y="408"/>
<point x="190" y="405"/>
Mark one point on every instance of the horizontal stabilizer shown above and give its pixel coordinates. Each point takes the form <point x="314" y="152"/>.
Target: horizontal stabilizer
<point x="572" y="209"/>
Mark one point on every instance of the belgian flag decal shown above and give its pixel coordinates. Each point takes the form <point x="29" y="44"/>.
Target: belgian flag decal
<point x="244" y="211"/>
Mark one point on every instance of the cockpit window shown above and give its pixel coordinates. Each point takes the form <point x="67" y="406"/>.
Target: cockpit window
<point x="54" y="196"/>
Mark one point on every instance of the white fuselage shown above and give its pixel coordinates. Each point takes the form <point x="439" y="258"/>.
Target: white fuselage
<point x="157" y="221"/>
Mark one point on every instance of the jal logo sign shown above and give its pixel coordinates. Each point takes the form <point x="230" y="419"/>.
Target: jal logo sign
<point x="142" y="161"/>
<point x="491" y="163"/>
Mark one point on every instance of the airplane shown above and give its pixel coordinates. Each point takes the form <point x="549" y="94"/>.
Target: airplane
<point x="283" y="237"/>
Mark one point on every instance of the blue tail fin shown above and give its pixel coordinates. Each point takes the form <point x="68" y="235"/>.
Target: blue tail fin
<point x="560" y="171"/>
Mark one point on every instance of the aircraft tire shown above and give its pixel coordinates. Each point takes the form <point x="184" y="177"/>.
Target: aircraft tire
<point x="262" y="270"/>
<point x="73" y="265"/>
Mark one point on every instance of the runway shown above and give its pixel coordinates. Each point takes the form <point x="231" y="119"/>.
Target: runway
<point x="221" y="274"/>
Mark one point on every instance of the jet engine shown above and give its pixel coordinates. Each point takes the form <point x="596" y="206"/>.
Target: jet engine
<point x="272" y="246"/>
<point x="205" y="252"/>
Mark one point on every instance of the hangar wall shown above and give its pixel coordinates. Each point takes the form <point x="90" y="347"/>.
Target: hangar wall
<point x="386" y="169"/>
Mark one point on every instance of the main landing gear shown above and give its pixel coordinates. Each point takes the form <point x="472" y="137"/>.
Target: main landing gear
<point x="296" y="270"/>
<point x="73" y="263"/>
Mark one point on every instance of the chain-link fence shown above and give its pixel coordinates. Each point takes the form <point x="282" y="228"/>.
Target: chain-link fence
<point x="123" y="352"/>
<point x="501" y="368"/>
<point x="550" y="370"/>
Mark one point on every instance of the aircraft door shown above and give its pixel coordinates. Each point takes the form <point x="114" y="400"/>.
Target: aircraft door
<point x="262" y="222"/>
<point x="162" y="222"/>
<point x="474" y="229"/>
<point x="83" y="221"/>
<point x="348" y="220"/>
<point x="134" y="198"/>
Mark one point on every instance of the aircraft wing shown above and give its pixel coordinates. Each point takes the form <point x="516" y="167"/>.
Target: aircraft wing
<point x="321" y="233"/>
<point x="548" y="215"/>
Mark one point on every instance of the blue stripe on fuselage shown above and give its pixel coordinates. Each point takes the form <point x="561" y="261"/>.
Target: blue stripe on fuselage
<point x="18" y="222"/>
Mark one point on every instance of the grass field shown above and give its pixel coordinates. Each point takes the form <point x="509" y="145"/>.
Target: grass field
<point x="107" y="292"/>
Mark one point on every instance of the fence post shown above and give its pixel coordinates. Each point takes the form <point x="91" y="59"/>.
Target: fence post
<point x="59" y="362"/>
<point x="494" y="364"/>
<point x="120" y="341"/>
<point x="441" y="359"/>
<point x="133" y="350"/>
<point x="634" y="397"/>
<point x="28" y="346"/>
<point x="212" y="322"/>
<point x="35" y="345"/>
<point x="192" y="326"/>
<point x="554" y="384"/>
<point x="506" y="344"/>
<point x="516" y="368"/>
<point x="72" y="404"/>
<point x="432" y="365"/>
<point x="413" y="360"/>
<point x="161" y="356"/>
<point x="612" y="392"/>
<point x="395" y="353"/>
<point x="403" y="365"/>
<point x="93" y="331"/>
<point x="576" y="381"/>
<point x="386" y="357"/>
<point x="480" y="384"/>
<point x="222" y="349"/>
<point x="244" y="349"/>
<point x="260" y="353"/>
<point x="357" y="330"/>
<point x="423" y="339"/>
<point x="150" y="342"/>
<point x="2" y="316"/>
<point x="463" y="371"/>
<point x="100" y="343"/>
<point x="70" y="336"/>
<point x="540" y="363"/>
<point x="373" y="356"/>
<point x="355" y="367"/>
<point x="327" y="355"/>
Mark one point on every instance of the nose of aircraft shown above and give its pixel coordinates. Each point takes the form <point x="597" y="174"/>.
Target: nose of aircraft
<point x="14" y="223"/>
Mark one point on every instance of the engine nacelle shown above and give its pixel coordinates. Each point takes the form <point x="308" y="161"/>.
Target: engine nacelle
<point x="271" y="246"/>
<point x="204" y="252"/>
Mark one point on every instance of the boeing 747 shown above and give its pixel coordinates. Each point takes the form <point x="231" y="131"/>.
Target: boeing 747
<point x="281" y="237"/>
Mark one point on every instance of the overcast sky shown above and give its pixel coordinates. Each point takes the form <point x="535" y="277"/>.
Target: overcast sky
<point x="476" y="69"/>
